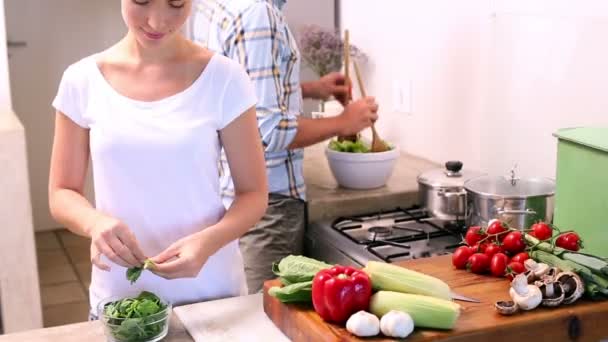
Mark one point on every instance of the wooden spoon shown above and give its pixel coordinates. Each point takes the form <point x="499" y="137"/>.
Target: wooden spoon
<point x="354" y="137"/>
<point x="378" y="145"/>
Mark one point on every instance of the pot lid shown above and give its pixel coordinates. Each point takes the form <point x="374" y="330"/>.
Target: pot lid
<point x="450" y="176"/>
<point x="511" y="186"/>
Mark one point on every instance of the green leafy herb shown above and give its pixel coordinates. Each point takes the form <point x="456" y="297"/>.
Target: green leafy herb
<point x="298" y="292"/>
<point x="134" y="273"/>
<point x="296" y="273"/>
<point x="296" y="269"/>
<point x="136" y="319"/>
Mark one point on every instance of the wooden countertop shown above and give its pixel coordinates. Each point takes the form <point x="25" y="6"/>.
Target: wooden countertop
<point x="582" y="321"/>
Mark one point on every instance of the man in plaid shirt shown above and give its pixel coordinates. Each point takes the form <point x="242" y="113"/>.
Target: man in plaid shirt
<point x="255" y="33"/>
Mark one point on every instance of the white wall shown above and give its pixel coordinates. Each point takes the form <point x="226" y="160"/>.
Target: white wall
<point x="19" y="291"/>
<point x="549" y="69"/>
<point x="5" y="93"/>
<point x="491" y="80"/>
<point x="438" y="46"/>
<point x="58" y="33"/>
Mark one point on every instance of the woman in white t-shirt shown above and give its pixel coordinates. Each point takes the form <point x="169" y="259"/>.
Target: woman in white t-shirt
<point x="152" y="112"/>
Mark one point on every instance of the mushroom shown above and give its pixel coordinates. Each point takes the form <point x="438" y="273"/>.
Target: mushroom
<point x="538" y="269"/>
<point x="527" y="297"/>
<point x="551" y="274"/>
<point x="506" y="308"/>
<point x="530" y="277"/>
<point x="553" y="293"/>
<point x="572" y="285"/>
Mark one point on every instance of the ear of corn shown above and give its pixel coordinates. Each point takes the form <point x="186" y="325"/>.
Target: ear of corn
<point x="390" y="277"/>
<point x="427" y="312"/>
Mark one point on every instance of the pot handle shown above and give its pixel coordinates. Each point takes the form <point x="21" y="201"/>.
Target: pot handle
<point x="448" y="194"/>
<point x="515" y="212"/>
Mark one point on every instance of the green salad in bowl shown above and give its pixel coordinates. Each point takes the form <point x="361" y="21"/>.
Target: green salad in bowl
<point x="349" y="146"/>
<point x="358" y="146"/>
<point x="143" y="318"/>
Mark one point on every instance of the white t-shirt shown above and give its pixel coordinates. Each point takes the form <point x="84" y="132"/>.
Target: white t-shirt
<point x="155" y="168"/>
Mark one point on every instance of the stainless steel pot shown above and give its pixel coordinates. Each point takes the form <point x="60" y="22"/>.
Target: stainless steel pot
<point x="442" y="193"/>
<point x="518" y="202"/>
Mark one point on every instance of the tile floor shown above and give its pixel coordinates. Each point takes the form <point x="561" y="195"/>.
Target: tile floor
<point x="64" y="271"/>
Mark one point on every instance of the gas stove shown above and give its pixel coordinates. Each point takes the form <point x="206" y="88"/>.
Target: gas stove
<point x="390" y="236"/>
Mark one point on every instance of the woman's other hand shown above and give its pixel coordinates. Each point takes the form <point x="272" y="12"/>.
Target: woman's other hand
<point x="114" y="239"/>
<point x="183" y="259"/>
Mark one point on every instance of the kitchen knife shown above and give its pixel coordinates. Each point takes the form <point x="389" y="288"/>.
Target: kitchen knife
<point x="457" y="296"/>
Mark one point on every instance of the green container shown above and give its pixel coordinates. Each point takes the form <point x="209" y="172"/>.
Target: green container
<point x="581" y="193"/>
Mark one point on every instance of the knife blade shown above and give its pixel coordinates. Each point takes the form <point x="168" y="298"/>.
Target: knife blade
<point x="458" y="296"/>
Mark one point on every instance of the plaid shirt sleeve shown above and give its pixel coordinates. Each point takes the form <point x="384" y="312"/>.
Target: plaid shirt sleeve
<point x="257" y="41"/>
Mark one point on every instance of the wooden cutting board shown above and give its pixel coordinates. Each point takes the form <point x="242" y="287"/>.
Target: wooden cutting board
<point x="582" y="321"/>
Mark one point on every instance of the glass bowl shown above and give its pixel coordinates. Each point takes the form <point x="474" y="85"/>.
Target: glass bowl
<point x="137" y="325"/>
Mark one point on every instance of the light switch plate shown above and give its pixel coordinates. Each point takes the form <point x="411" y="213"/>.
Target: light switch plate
<point x="402" y="97"/>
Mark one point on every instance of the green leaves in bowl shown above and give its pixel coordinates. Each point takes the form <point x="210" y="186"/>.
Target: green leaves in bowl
<point x="138" y="319"/>
<point x="349" y="146"/>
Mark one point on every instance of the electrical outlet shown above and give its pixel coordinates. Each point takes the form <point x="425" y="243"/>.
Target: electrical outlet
<point x="402" y="97"/>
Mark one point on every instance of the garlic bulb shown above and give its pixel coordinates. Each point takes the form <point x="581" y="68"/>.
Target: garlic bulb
<point x="363" y="324"/>
<point x="397" y="324"/>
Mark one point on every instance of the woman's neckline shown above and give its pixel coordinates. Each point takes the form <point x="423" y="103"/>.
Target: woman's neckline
<point x="144" y="103"/>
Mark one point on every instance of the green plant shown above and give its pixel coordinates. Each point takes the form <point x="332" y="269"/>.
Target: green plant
<point x="296" y="273"/>
<point x="135" y="319"/>
<point x="323" y="49"/>
<point x="133" y="273"/>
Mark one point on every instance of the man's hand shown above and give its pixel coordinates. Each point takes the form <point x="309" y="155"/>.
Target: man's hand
<point x="328" y="85"/>
<point x="358" y="115"/>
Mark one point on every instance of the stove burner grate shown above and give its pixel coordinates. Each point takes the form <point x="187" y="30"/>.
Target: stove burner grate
<point x="379" y="233"/>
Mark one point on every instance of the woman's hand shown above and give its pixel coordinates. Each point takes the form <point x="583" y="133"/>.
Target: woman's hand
<point x="183" y="259"/>
<point x="114" y="239"/>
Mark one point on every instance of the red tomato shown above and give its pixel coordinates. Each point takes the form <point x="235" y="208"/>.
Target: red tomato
<point x="461" y="256"/>
<point x="514" y="242"/>
<point x="492" y="249"/>
<point x="520" y="257"/>
<point x="474" y="234"/>
<point x="498" y="264"/>
<point x="570" y="241"/>
<point x="496" y="227"/>
<point x="541" y="231"/>
<point x="478" y="263"/>
<point x="481" y="247"/>
<point x="514" y="268"/>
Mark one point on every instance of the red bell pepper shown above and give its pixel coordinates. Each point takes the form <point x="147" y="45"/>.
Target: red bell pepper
<point x="339" y="292"/>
